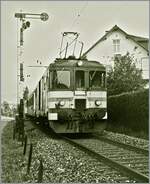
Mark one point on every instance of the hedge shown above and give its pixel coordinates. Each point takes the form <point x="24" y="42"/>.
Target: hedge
<point x="130" y="110"/>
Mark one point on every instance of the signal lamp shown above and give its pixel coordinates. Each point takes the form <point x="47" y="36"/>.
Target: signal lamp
<point x="24" y="26"/>
<point x="28" y="24"/>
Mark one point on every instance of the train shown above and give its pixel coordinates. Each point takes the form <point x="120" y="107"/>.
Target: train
<point x="71" y="96"/>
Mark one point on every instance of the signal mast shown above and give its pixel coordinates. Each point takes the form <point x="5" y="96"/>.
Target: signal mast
<point x="23" y="26"/>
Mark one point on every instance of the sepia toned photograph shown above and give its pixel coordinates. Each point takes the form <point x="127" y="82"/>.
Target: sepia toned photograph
<point x="74" y="92"/>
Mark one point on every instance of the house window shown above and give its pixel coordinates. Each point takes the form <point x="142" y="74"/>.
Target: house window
<point x="116" y="45"/>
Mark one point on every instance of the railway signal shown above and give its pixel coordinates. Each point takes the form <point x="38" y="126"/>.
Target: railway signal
<point x="23" y="26"/>
<point x="42" y="16"/>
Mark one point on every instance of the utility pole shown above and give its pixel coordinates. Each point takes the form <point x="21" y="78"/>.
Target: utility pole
<point x="20" y="41"/>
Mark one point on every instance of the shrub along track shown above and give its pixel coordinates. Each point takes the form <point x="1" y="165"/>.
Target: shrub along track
<point x="117" y="155"/>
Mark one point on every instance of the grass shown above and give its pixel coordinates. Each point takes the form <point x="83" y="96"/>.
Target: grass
<point x="14" y="164"/>
<point x="128" y="131"/>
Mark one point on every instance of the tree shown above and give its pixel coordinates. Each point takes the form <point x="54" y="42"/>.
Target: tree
<point x="14" y="110"/>
<point x="6" y="108"/>
<point x="124" y="77"/>
<point x="26" y="93"/>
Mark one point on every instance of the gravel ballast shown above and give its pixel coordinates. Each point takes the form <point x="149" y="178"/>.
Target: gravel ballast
<point x="65" y="163"/>
<point x="141" y="143"/>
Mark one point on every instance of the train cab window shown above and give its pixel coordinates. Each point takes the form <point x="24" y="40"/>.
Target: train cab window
<point x="80" y="79"/>
<point x="96" y="79"/>
<point x="60" y="79"/>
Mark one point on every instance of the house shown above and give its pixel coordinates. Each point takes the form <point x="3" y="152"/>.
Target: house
<point x="117" y="42"/>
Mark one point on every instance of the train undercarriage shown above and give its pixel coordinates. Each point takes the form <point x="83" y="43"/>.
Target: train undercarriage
<point x="75" y="121"/>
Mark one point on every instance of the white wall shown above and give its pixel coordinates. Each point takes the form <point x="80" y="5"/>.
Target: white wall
<point x="104" y="53"/>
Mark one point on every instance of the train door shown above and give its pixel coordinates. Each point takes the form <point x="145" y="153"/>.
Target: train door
<point x="47" y="87"/>
<point x="40" y="97"/>
<point x="44" y="94"/>
<point x="34" y="105"/>
<point x="36" y="101"/>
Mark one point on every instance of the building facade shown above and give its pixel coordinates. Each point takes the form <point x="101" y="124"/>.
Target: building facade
<point x="117" y="42"/>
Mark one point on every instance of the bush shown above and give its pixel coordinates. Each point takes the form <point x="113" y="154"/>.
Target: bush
<point x="125" y="76"/>
<point x="129" y="110"/>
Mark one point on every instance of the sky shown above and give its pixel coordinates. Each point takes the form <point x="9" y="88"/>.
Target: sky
<point x="42" y="39"/>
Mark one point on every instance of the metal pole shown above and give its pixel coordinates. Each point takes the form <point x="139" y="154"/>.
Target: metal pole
<point x="61" y="46"/>
<point x="22" y="16"/>
<point x="81" y="49"/>
<point x="75" y="45"/>
<point x="66" y="50"/>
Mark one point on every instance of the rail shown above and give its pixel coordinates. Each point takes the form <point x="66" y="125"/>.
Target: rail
<point x="122" y="168"/>
<point x="123" y="145"/>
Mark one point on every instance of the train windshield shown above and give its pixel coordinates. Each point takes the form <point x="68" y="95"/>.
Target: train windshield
<point x="60" y="79"/>
<point x="80" y="79"/>
<point x="96" y="79"/>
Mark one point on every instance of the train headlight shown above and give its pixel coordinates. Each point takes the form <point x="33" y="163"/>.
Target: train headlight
<point x="98" y="102"/>
<point x="79" y="63"/>
<point x="61" y="103"/>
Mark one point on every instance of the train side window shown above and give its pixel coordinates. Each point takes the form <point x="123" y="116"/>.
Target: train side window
<point x="50" y="79"/>
<point x="39" y="95"/>
<point x="80" y="79"/>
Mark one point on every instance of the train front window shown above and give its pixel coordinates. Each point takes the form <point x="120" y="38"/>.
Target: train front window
<point x="96" y="79"/>
<point x="60" y="79"/>
<point x="80" y="79"/>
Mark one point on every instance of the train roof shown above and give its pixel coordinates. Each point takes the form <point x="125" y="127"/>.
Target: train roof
<point x="73" y="63"/>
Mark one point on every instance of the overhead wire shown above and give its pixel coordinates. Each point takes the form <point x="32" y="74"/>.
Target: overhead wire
<point x="79" y="14"/>
<point x="73" y="23"/>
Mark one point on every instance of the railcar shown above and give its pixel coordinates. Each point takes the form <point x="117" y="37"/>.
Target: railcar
<point x="71" y="96"/>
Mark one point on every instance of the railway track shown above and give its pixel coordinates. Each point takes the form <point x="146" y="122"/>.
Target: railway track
<point x="123" y="145"/>
<point x="131" y="161"/>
